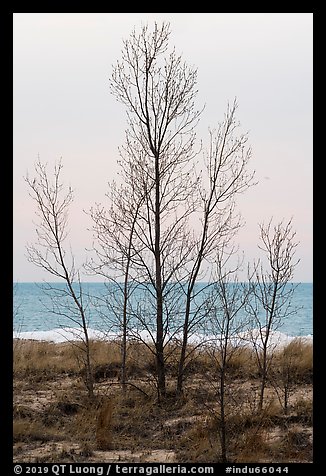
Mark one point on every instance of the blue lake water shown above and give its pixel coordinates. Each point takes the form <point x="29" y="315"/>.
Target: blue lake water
<point x="36" y="311"/>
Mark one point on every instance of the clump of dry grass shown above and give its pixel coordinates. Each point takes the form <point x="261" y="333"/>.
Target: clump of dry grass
<point x="199" y="444"/>
<point x="46" y="359"/>
<point x="36" y="358"/>
<point x="104" y="425"/>
<point x="242" y="363"/>
<point x="25" y="430"/>
<point x="135" y="416"/>
<point x="296" y="359"/>
<point x="304" y="410"/>
<point x="251" y="445"/>
<point x="293" y="445"/>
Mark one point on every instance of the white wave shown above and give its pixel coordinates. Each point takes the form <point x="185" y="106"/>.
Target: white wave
<point x="64" y="334"/>
<point x="277" y="339"/>
<point x="246" y="338"/>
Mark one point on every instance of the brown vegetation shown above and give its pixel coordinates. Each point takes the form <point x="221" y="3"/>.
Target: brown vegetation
<point x="104" y="425"/>
<point x="55" y="421"/>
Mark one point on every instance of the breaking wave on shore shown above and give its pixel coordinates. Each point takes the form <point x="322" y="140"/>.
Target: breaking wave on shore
<point x="246" y="338"/>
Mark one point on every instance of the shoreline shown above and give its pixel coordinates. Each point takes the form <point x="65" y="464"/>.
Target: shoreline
<point x="68" y="334"/>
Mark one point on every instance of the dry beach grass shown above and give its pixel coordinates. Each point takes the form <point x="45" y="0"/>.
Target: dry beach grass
<point x="54" y="421"/>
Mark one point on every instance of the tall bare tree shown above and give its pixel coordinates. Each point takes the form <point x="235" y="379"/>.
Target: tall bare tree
<point x="158" y="90"/>
<point x="49" y="253"/>
<point x="272" y="292"/>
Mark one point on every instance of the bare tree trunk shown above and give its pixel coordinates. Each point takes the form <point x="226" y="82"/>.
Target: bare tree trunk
<point x="182" y="360"/>
<point x="89" y="370"/>
<point x="89" y="379"/>
<point x="124" y="335"/>
<point x="125" y="306"/>
<point x="223" y="427"/>
<point x="263" y="379"/>
<point x="160" y="365"/>
<point x="286" y="400"/>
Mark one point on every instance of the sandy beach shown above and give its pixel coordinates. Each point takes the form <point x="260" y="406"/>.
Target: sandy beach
<point x="54" y="421"/>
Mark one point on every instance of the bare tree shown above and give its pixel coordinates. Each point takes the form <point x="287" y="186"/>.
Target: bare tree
<point x="158" y="90"/>
<point x="271" y="292"/>
<point x="48" y="253"/>
<point x="226" y="176"/>
<point x="226" y="303"/>
<point x="115" y="250"/>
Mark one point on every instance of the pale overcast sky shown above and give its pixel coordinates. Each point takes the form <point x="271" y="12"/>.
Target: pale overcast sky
<point x="63" y="108"/>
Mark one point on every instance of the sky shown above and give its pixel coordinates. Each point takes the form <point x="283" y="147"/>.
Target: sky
<point x="62" y="108"/>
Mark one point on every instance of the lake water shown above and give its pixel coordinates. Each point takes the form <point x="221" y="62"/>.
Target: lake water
<point x="36" y="316"/>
